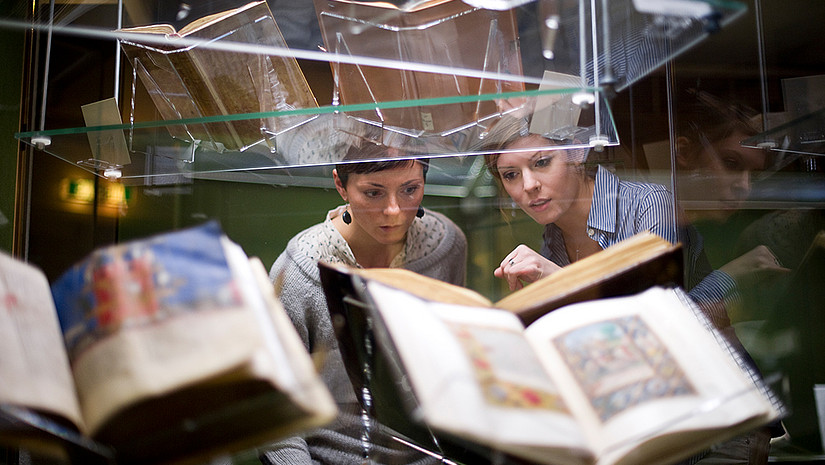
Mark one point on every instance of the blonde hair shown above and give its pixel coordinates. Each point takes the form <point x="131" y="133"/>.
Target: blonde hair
<point x="509" y="130"/>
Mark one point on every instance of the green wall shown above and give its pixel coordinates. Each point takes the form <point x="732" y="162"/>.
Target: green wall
<point x="263" y="217"/>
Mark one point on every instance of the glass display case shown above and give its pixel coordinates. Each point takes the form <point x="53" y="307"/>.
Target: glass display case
<point x="117" y="144"/>
<point x="451" y="86"/>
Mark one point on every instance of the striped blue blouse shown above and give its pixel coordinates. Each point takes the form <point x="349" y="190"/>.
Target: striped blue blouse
<point x="620" y="209"/>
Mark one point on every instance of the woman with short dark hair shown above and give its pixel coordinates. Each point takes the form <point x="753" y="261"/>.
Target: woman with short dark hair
<point x="382" y="224"/>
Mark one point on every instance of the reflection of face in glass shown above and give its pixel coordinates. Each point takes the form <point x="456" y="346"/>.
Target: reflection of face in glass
<point x="383" y="204"/>
<point x="718" y="172"/>
<point x="714" y="171"/>
<point x="540" y="182"/>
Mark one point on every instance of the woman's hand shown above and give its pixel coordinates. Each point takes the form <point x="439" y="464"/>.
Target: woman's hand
<point x="523" y="266"/>
<point x="754" y="266"/>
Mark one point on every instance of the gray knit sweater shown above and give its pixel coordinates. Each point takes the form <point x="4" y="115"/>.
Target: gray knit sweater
<point x="435" y="247"/>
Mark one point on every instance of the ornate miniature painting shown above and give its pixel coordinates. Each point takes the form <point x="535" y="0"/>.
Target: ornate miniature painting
<point x="513" y="377"/>
<point x="620" y="364"/>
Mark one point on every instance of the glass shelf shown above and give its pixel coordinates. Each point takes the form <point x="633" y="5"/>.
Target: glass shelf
<point x="539" y="56"/>
<point x="639" y="36"/>
<point x="153" y="152"/>
<point x="804" y="135"/>
<point x="461" y="177"/>
<point x="563" y="35"/>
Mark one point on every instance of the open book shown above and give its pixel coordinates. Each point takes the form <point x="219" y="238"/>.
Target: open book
<point x="623" y="380"/>
<point x="171" y="348"/>
<point x="188" y="75"/>
<point x="627" y="267"/>
<point x="443" y="33"/>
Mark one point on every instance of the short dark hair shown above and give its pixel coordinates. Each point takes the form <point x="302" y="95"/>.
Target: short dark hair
<point x="371" y="158"/>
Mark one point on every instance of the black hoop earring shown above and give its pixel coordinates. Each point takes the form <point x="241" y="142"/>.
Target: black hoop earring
<point x="346" y="217"/>
<point x="420" y="212"/>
